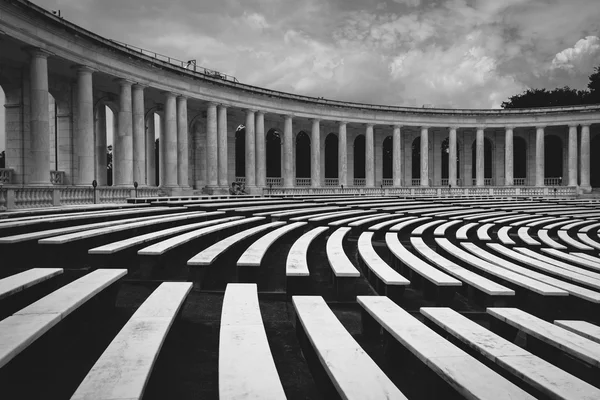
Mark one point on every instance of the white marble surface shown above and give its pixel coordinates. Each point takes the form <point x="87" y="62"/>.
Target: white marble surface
<point x="482" y="231"/>
<point x="485" y="285"/>
<point x="296" y="263"/>
<point x="413" y="262"/>
<point x="114" y="247"/>
<point x="348" y="220"/>
<point x="25" y="326"/>
<point x="574" y="258"/>
<point x="340" y="214"/>
<point x="384" y="224"/>
<point x="548" y="241"/>
<point x="503" y="273"/>
<point x="353" y="373"/>
<point x="564" y="236"/>
<point x="468" y="376"/>
<point x="209" y="255"/>
<point x="567" y="341"/>
<point x="246" y="366"/>
<point x="338" y="260"/>
<point x="18" y="282"/>
<point x="419" y="230"/>
<point x="367" y="220"/>
<point x="585" y="239"/>
<point x="583" y="328"/>
<point x="558" y="263"/>
<point x="568" y="275"/>
<point x="254" y="254"/>
<point x="463" y="231"/>
<point x="441" y="230"/>
<point x="72" y="237"/>
<point x="169" y="244"/>
<point x="125" y="366"/>
<point x="399" y="226"/>
<point x="523" y="233"/>
<point x="387" y="274"/>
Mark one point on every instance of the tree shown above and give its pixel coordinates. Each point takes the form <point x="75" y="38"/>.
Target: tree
<point x="564" y="96"/>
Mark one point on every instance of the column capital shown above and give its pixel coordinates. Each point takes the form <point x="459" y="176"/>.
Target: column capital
<point x="425" y="127"/>
<point x="313" y="120"/>
<point x="37" y="52"/>
<point x="397" y="126"/>
<point x="139" y="86"/>
<point x="286" y="116"/>
<point x="249" y="110"/>
<point x="573" y="125"/>
<point x="509" y="127"/>
<point x="540" y="126"/>
<point x="585" y="125"/>
<point x="84" y="69"/>
<point x="342" y="123"/>
<point x="212" y="104"/>
<point x="481" y="127"/>
<point x="453" y="127"/>
<point x="258" y="112"/>
<point x="369" y="125"/>
<point x="181" y="97"/>
<point x="123" y="81"/>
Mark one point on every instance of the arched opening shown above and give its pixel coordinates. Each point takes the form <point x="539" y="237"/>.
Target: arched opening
<point x="446" y="161"/>
<point x="553" y="160"/>
<point x="595" y="162"/>
<point x="302" y="155"/>
<point x="359" y="160"/>
<point x="331" y="156"/>
<point x="487" y="160"/>
<point x="273" y="144"/>
<point x="519" y="161"/>
<point x="416" y="159"/>
<point x="240" y="151"/>
<point x="387" y="158"/>
<point x="2" y="130"/>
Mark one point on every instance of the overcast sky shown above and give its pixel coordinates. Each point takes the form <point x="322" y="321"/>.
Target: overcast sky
<point x="447" y="53"/>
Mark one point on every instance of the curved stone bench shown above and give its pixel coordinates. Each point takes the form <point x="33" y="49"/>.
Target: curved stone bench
<point x="404" y="224"/>
<point x="441" y="230"/>
<point x="370" y="219"/>
<point x="353" y="374"/>
<point x="18" y="282"/>
<point x="24" y="327"/>
<point x="246" y="365"/>
<point x="576" y="258"/>
<point x="504" y="237"/>
<point x="436" y="284"/>
<point x="463" y="232"/>
<point x="539" y="374"/>
<point x="488" y="291"/>
<point x="468" y="376"/>
<point x="558" y="263"/>
<point x="344" y="273"/>
<point x="582" y="328"/>
<point x="523" y="233"/>
<point x="384" y="278"/>
<point x="420" y="230"/>
<point x="384" y="224"/>
<point x="564" y="236"/>
<point x="124" y="368"/>
<point x="544" y="236"/>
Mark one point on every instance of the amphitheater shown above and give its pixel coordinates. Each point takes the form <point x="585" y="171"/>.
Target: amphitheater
<point x="379" y="252"/>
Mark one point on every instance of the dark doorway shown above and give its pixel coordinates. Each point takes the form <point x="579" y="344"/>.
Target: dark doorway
<point x="359" y="157"/>
<point x="331" y="156"/>
<point x="273" y="153"/>
<point x="302" y="155"/>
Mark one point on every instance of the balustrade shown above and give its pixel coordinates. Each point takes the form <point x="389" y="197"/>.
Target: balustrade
<point x="303" y="182"/>
<point x="387" y="182"/>
<point x="518" y="181"/>
<point x="415" y="182"/>
<point x="553" y="181"/>
<point x="360" y="181"/>
<point x="278" y="181"/>
<point x="240" y="179"/>
<point x="331" y="182"/>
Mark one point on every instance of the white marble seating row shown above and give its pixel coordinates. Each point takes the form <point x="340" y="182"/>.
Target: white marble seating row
<point x="296" y="264"/>
<point x="465" y="374"/>
<point x="115" y="247"/>
<point x="211" y="253"/>
<point x="25" y="326"/>
<point x="255" y="253"/>
<point x="543" y="376"/>
<point x="582" y="328"/>
<point x="123" y="369"/>
<point x="18" y="282"/>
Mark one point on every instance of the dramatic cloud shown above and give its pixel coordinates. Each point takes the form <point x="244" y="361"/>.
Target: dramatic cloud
<point x="448" y="53"/>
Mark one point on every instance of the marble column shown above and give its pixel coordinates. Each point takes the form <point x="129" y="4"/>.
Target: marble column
<point x="424" y="156"/>
<point x="261" y="155"/>
<point x="139" y="131"/>
<point x="39" y="118"/>
<point x="315" y="154"/>
<point x="585" y="158"/>
<point x="397" y="157"/>
<point x="539" y="156"/>
<point x="84" y="128"/>
<point x="479" y="157"/>
<point x="182" y="143"/>
<point x="123" y="139"/>
<point x="150" y="154"/>
<point x="452" y="156"/>
<point x="369" y="157"/>
<point x="508" y="157"/>
<point x="572" y="155"/>
<point x="342" y="154"/>
<point x="168" y="143"/>
<point x="212" y="146"/>
<point x="222" y="145"/>
<point x="288" y="153"/>
<point x="100" y="142"/>
<point x="250" y="150"/>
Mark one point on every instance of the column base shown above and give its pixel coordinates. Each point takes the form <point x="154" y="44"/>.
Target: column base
<point x="585" y="189"/>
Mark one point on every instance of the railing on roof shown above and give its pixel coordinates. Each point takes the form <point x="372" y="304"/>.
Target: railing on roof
<point x="187" y="65"/>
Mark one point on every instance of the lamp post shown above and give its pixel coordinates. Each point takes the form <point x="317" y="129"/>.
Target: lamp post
<point x="94" y="185"/>
<point x="135" y="186"/>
